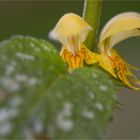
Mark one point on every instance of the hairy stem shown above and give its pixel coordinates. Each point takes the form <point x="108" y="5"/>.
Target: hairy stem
<point x="91" y="13"/>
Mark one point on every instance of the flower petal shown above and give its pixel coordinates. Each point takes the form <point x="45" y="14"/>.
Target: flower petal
<point x="119" y="28"/>
<point x="102" y="60"/>
<point x="70" y="25"/>
<point x="90" y="57"/>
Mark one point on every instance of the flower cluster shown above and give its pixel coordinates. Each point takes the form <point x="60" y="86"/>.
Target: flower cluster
<point x="71" y="30"/>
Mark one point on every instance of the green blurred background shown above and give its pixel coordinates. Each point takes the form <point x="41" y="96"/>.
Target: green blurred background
<point x="37" y="18"/>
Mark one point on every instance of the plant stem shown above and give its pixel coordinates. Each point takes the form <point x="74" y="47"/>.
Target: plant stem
<point x="91" y="14"/>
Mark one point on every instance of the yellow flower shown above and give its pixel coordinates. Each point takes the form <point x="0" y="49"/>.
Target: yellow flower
<point x="71" y="30"/>
<point x="117" y="29"/>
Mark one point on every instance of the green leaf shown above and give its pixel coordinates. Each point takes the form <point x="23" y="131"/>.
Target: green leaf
<point x="39" y="100"/>
<point x="28" y="66"/>
<point x="80" y="105"/>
